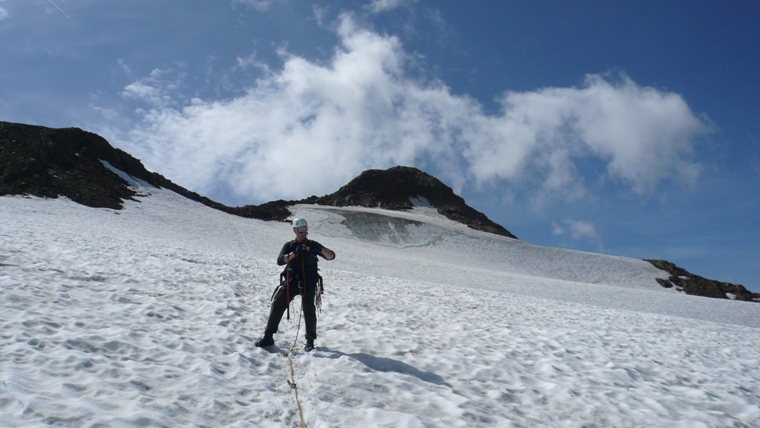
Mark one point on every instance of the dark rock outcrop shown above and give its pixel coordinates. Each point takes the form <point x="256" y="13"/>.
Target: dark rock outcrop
<point x="394" y="188"/>
<point x="699" y="286"/>
<point x="47" y="162"/>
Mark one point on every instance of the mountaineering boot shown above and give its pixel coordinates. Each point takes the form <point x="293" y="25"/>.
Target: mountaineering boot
<point x="265" y="341"/>
<point x="309" y="344"/>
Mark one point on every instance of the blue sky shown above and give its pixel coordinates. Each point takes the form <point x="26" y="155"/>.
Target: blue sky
<point x="627" y="128"/>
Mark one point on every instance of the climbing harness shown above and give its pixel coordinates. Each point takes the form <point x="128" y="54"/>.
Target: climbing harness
<point x="285" y="279"/>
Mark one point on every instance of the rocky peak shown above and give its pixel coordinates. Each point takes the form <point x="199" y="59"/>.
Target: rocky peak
<point x="394" y="188"/>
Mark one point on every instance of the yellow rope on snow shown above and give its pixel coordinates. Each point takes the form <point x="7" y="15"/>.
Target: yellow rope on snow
<point x="292" y="370"/>
<point x="292" y="382"/>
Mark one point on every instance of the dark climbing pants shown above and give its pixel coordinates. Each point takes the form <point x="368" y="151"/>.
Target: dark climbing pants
<point x="280" y="304"/>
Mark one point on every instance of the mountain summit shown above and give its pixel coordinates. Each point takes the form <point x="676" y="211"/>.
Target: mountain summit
<point x="403" y="187"/>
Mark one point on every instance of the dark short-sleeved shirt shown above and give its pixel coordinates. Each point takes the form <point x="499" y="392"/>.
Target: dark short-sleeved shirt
<point x="305" y="260"/>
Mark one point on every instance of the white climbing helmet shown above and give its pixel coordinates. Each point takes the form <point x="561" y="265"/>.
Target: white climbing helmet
<point x="300" y="222"/>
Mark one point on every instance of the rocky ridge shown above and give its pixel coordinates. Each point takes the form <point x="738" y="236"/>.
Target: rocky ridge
<point x="49" y="163"/>
<point x="696" y="285"/>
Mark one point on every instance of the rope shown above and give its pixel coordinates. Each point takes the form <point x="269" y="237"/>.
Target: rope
<point x="292" y="383"/>
<point x="292" y="380"/>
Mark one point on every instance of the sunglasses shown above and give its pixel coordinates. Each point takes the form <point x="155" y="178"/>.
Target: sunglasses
<point x="305" y="231"/>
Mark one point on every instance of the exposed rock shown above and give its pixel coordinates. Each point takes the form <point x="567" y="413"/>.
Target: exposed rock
<point x="269" y="211"/>
<point x="394" y="188"/>
<point x="699" y="286"/>
<point x="47" y="162"/>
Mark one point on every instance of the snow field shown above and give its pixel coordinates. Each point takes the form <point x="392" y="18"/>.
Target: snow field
<point x="515" y="361"/>
<point x="147" y="317"/>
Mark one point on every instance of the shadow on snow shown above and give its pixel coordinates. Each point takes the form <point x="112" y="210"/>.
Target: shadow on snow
<point x="387" y="365"/>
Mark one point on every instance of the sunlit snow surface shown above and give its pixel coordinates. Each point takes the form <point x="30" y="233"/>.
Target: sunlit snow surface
<point x="147" y="317"/>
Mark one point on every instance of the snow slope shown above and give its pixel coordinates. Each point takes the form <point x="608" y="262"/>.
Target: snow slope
<point x="147" y="317"/>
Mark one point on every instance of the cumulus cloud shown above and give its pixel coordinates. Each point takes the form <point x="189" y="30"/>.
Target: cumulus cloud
<point x="310" y="127"/>
<point x="643" y="134"/>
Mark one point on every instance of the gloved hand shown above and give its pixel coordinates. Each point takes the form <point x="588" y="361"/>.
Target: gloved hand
<point x="316" y="250"/>
<point x="297" y="251"/>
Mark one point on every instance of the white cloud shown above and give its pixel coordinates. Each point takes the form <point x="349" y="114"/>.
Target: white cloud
<point x="582" y="229"/>
<point x="578" y="229"/>
<point x="320" y="14"/>
<point x="159" y="90"/>
<point x="309" y="128"/>
<point x="247" y="62"/>
<point x="378" y="6"/>
<point x="643" y="134"/>
<point x="3" y="14"/>
<point x="142" y="91"/>
<point x="557" y="229"/>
